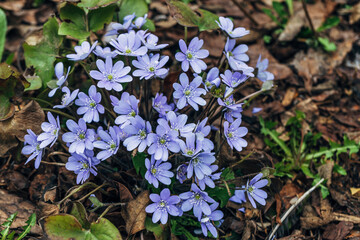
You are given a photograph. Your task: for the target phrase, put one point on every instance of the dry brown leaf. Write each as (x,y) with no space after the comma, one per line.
(338,231)
(289,96)
(10,203)
(293,26)
(355,14)
(14,5)
(325,171)
(29,117)
(134,214)
(355,192)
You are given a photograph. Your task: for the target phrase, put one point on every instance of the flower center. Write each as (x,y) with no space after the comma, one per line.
(112,145)
(162,141)
(92,104)
(110,77)
(151,69)
(195,161)
(54,132)
(81,136)
(85,166)
(250,189)
(64,99)
(230,135)
(142,134)
(231,54)
(190,152)
(128,51)
(187,92)
(197,196)
(189,55)
(162,204)
(132,113)
(153,171)
(38,147)
(208,84)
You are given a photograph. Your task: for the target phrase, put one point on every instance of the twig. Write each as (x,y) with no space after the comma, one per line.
(108,209)
(286,214)
(245,12)
(54,163)
(308,17)
(93,191)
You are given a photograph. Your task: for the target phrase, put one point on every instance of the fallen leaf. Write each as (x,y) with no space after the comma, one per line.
(134,214)
(337,231)
(355,192)
(355,14)
(289,96)
(325,171)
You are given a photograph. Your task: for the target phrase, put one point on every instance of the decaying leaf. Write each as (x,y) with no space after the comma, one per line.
(135,215)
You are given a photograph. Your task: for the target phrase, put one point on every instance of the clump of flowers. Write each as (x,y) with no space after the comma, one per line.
(175,137)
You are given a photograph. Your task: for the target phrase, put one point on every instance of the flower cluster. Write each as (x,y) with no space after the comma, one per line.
(175,136)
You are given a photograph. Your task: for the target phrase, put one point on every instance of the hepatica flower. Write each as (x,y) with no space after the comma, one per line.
(32,146)
(150,67)
(140,21)
(201,131)
(109,143)
(127,107)
(67,98)
(212,79)
(160,104)
(110,77)
(192,55)
(239,197)
(181,173)
(59,72)
(128,44)
(80,137)
(228,26)
(163,141)
(51,131)
(196,200)
(150,41)
(200,165)
(233,79)
(209,179)
(126,25)
(207,221)
(82,51)
(262,74)
(236,56)
(177,123)
(138,131)
(188,148)
(189,93)
(90,105)
(163,205)
(232,110)
(158,171)
(82,165)
(254,193)
(104,52)
(234,134)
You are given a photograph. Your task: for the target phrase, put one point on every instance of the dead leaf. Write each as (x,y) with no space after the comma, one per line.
(14,5)
(134,214)
(40,184)
(293,26)
(45,209)
(10,203)
(325,171)
(309,108)
(14,180)
(355,192)
(289,96)
(355,14)
(324,95)
(29,117)
(124,193)
(337,231)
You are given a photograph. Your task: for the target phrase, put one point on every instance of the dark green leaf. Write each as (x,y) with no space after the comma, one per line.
(7,225)
(280,10)
(3,27)
(139,163)
(207,20)
(326,44)
(155,228)
(128,7)
(220,194)
(76,22)
(183,14)
(30,223)
(179,230)
(78,211)
(339,169)
(42,56)
(63,227)
(227,174)
(95,3)
(35,83)
(101,16)
(271,15)
(329,23)
(103,229)
(149,24)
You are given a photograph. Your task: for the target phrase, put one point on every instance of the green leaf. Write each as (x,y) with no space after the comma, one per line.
(207,20)
(183,14)
(139,163)
(139,7)
(267,85)
(63,227)
(35,83)
(149,24)
(75,25)
(280,10)
(227,174)
(78,211)
(30,223)
(103,229)
(339,169)
(95,3)
(179,230)
(3,27)
(7,225)
(271,15)
(329,23)
(221,194)
(43,55)
(326,44)
(101,16)
(290,6)
(154,228)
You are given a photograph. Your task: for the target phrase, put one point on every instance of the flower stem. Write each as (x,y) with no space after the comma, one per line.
(185,34)
(60,113)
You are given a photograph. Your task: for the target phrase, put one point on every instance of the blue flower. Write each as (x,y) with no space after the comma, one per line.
(196,200)
(104,52)
(150,67)
(109,143)
(82,165)
(188,148)
(110,77)
(51,131)
(233,80)
(90,105)
(261,67)
(116,27)
(140,21)
(177,123)
(150,40)
(80,137)
(234,134)
(128,44)
(159,103)
(127,107)
(207,221)
(163,141)
(254,193)
(232,109)
(201,131)
(163,205)
(212,79)
(209,179)
(192,56)
(138,131)
(32,146)
(239,197)
(157,171)
(181,173)
(82,51)
(200,165)
(189,93)
(227,25)
(236,56)
(68,97)
(59,72)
